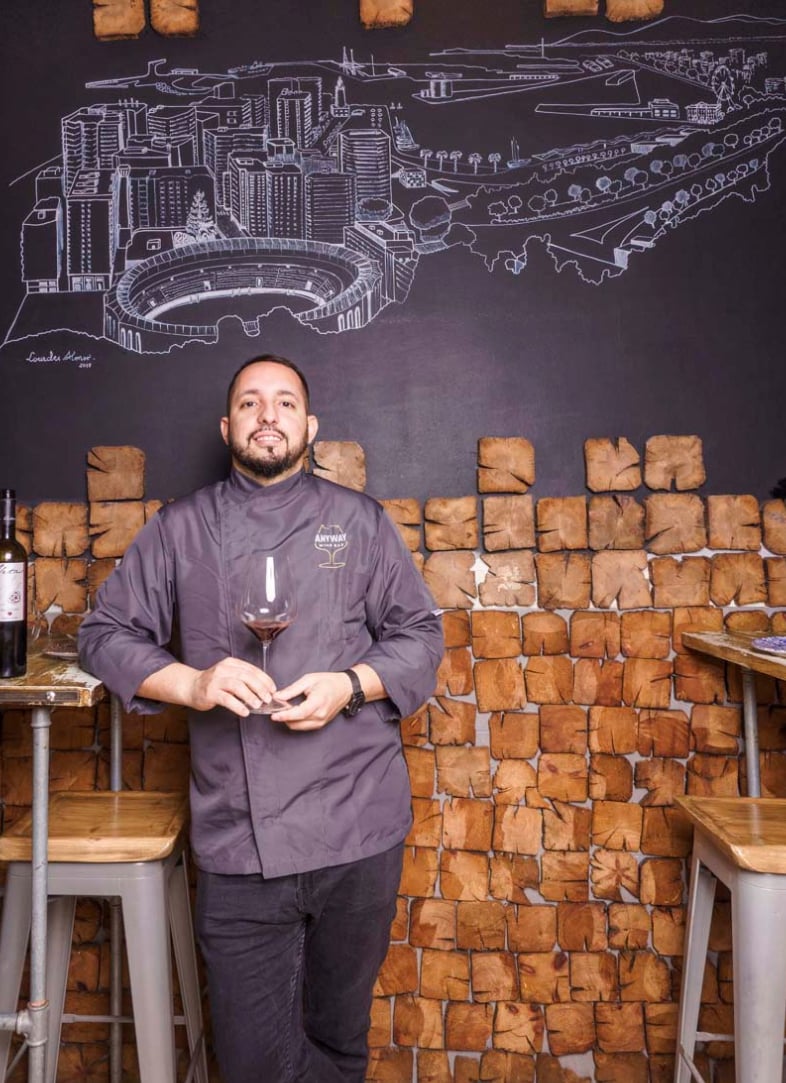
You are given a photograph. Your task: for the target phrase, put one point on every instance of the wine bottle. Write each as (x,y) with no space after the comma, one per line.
(13,592)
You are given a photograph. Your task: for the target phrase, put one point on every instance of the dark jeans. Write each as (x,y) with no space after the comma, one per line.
(291,966)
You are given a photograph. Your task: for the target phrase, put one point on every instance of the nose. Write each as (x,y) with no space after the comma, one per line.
(267,413)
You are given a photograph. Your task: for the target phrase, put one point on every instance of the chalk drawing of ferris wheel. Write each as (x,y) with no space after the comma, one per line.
(723,84)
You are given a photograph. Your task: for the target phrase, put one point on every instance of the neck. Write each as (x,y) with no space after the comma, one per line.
(289,473)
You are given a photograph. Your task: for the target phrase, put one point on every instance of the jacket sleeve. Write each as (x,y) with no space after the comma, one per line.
(125,638)
(404,623)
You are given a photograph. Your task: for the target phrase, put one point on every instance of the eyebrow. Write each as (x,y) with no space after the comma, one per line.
(280,391)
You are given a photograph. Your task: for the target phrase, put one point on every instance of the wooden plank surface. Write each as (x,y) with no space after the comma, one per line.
(101,827)
(736,648)
(751,831)
(50,682)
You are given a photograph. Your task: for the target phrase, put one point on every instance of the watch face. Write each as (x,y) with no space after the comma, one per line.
(354,705)
(358,698)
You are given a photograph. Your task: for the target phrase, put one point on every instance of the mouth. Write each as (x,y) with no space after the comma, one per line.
(266,438)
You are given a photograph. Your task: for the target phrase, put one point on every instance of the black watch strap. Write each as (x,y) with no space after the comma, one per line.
(358,697)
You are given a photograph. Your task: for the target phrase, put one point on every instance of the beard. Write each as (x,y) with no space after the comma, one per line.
(269,462)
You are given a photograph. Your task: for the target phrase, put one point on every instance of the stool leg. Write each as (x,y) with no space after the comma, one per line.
(185,958)
(14,938)
(701,897)
(148,950)
(758,922)
(59,937)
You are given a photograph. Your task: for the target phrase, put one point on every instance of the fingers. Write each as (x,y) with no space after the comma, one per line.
(234,684)
(242,688)
(325,696)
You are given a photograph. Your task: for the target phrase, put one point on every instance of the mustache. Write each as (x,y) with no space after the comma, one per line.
(267,428)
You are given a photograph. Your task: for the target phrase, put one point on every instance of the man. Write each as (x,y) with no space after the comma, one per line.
(298,817)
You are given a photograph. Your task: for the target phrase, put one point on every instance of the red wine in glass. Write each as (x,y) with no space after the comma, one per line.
(266,631)
(268,605)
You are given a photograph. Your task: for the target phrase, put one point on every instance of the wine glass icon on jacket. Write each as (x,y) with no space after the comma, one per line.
(268,605)
(331,540)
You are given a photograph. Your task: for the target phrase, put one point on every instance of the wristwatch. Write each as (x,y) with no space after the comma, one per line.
(358,697)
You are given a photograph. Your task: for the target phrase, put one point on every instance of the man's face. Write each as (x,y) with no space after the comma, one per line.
(268,428)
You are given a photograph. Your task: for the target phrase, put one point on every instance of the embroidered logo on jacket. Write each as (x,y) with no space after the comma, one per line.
(331,540)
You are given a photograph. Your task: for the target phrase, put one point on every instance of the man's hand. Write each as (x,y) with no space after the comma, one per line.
(232,683)
(326,694)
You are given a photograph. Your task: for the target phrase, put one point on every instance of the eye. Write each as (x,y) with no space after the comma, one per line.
(246,403)
(289,403)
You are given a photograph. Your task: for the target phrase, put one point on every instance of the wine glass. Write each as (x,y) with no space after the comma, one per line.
(268,606)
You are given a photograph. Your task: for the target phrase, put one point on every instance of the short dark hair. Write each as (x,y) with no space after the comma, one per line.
(272,359)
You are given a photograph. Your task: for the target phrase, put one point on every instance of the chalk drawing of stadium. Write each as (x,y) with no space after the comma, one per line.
(180,199)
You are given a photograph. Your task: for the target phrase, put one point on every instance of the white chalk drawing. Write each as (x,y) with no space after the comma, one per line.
(182,198)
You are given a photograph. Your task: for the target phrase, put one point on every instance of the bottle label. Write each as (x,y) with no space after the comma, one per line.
(12,592)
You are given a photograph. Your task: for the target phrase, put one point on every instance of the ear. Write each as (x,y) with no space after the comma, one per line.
(225,430)
(313,428)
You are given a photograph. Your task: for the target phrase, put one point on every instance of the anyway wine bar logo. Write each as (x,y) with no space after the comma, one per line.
(331,540)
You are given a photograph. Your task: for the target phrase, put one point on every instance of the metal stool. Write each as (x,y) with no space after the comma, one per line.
(741,842)
(129,845)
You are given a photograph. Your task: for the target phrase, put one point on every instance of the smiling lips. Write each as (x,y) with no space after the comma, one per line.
(266,437)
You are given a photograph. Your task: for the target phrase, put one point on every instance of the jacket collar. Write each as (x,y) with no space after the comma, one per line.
(241,488)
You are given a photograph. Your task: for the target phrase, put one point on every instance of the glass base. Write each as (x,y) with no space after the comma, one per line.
(275,704)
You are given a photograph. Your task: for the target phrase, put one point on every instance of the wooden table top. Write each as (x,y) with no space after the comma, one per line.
(50,682)
(750,831)
(736,647)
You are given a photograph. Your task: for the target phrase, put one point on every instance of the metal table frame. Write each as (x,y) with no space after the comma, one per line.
(49,683)
(735,648)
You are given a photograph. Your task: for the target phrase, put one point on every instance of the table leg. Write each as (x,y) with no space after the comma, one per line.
(39,1006)
(115,909)
(751,722)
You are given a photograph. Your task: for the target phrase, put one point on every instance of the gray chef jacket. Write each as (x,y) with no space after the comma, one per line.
(265,798)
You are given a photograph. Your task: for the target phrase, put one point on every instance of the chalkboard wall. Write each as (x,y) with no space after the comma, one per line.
(485,223)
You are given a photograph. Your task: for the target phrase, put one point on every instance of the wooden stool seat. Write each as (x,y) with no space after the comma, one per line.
(125,826)
(740,841)
(128,846)
(750,831)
